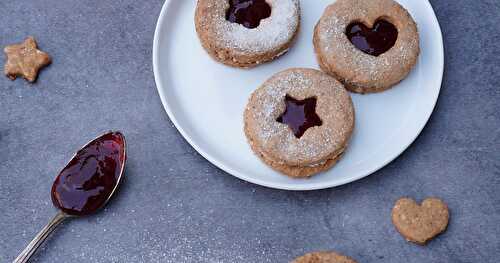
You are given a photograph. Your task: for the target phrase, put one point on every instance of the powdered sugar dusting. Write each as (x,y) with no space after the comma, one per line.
(272,109)
(273,32)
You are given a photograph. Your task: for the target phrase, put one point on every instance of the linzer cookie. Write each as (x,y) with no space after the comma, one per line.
(369,45)
(299,122)
(246,33)
(323,257)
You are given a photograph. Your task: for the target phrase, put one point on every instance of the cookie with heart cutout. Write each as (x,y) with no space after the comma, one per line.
(420,223)
(369,45)
(246,33)
(299,122)
(323,257)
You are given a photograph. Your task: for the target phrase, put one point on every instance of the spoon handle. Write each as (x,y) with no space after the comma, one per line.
(39,238)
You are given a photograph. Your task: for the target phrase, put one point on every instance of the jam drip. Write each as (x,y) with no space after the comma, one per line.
(373,41)
(248,12)
(89,179)
(300,115)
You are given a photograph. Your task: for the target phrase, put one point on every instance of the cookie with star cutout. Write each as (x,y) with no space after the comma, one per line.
(25,60)
(299,122)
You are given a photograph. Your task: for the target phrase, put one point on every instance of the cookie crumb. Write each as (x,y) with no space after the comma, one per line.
(25,60)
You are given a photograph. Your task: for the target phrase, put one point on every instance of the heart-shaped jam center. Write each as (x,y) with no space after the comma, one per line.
(248,12)
(374,41)
(300,115)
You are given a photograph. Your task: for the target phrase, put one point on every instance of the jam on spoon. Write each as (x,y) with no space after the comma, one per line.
(85,184)
(89,179)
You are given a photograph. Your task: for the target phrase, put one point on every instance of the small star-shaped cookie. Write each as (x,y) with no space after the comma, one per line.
(25,60)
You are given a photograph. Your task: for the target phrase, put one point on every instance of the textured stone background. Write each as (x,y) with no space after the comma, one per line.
(176,207)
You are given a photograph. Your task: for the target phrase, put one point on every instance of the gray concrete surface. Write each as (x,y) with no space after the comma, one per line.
(176,207)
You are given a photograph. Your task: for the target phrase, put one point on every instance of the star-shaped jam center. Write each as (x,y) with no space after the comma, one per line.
(248,12)
(25,60)
(300,115)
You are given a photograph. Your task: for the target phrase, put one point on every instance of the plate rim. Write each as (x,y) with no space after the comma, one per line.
(280,186)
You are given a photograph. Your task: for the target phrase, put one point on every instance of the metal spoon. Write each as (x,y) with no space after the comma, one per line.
(31,248)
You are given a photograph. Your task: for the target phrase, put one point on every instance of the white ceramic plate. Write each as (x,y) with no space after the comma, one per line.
(205,100)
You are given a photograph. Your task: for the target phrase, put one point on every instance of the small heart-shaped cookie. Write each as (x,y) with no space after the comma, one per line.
(420,223)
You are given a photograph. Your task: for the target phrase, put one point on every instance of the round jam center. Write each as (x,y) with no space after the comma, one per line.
(89,179)
(374,41)
(300,115)
(248,13)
